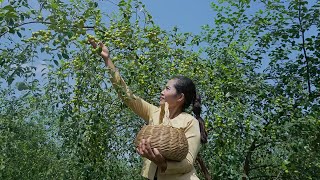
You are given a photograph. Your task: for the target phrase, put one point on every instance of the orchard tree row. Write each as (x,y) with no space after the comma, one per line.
(256,67)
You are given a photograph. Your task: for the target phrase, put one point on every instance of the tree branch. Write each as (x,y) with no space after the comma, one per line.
(39,22)
(246,165)
(264,166)
(203,168)
(259,177)
(304,49)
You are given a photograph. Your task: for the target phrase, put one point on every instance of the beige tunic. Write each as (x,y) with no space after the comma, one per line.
(183,170)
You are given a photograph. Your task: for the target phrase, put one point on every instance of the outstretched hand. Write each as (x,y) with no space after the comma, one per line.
(105,51)
(145,150)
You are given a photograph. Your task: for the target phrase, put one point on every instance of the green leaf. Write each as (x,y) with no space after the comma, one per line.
(121,3)
(54,6)
(9,8)
(22,86)
(11,22)
(70,34)
(22,17)
(64,55)
(56,62)
(10,80)
(19,34)
(11,30)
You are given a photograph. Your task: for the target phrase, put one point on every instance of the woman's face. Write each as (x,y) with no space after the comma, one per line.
(169,94)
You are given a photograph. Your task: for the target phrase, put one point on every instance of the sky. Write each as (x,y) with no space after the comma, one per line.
(187,15)
(190,15)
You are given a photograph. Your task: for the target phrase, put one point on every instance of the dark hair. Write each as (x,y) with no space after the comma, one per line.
(186,86)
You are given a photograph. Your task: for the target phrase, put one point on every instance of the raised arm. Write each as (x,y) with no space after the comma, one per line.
(136,104)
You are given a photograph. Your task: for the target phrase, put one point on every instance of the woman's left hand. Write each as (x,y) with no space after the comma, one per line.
(145,150)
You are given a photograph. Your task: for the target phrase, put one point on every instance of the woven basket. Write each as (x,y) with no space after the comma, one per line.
(170,141)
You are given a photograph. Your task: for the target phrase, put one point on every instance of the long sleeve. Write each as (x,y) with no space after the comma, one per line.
(186,165)
(135,103)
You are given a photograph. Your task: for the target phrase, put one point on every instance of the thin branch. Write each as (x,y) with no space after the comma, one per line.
(267,142)
(259,177)
(304,50)
(22,24)
(264,166)
(262,144)
(246,165)
(203,168)
(40,22)
(209,130)
(278,175)
(272,77)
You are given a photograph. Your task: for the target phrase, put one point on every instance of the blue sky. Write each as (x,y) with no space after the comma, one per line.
(187,15)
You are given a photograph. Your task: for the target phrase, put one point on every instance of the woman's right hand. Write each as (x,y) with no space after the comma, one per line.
(105,51)
(153,154)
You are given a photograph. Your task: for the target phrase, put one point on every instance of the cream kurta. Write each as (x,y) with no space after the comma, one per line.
(183,170)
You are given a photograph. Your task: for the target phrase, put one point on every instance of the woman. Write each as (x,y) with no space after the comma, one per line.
(178,94)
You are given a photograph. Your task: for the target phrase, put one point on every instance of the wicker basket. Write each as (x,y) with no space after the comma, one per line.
(170,141)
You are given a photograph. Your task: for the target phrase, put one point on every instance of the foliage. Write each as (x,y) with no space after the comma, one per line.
(256,68)
(264,92)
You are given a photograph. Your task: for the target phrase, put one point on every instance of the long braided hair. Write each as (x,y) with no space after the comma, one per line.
(187,87)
